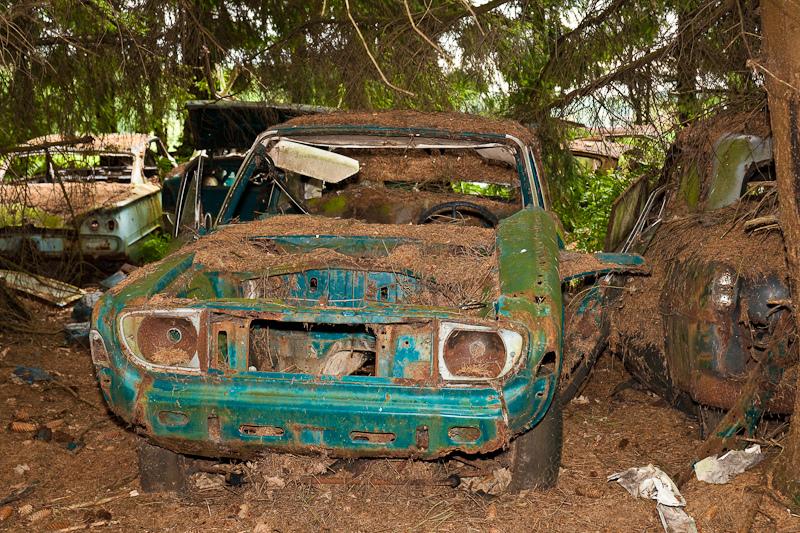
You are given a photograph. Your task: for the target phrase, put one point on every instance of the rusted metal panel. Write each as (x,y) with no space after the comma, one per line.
(50,290)
(402,383)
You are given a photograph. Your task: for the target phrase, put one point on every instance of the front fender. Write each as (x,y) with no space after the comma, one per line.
(530,287)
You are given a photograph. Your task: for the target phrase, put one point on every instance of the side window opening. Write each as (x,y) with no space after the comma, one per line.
(758,179)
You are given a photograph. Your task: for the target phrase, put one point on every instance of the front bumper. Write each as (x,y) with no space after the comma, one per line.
(242,415)
(57,243)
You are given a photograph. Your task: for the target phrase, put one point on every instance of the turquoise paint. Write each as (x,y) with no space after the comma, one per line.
(616,262)
(346,288)
(322,411)
(412,349)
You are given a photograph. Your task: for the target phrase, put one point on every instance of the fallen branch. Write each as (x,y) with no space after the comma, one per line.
(770,220)
(761,442)
(94,503)
(90,525)
(451,481)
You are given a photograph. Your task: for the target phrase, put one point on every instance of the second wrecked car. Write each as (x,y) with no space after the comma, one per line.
(714,315)
(395,293)
(95,196)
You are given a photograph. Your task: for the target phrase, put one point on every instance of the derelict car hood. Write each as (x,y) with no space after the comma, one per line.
(310,261)
(227,124)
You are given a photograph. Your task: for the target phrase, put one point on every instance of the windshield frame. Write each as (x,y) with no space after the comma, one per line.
(527,171)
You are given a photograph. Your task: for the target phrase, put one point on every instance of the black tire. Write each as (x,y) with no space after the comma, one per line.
(161,470)
(536,454)
(488,219)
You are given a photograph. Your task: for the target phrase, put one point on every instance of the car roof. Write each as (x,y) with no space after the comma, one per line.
(406,119)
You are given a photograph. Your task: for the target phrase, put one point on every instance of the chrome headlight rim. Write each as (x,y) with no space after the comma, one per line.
(194,315)
(513,341)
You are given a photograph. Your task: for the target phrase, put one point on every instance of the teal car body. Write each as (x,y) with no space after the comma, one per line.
(415,396)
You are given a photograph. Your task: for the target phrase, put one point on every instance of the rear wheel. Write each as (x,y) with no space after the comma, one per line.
(536,454)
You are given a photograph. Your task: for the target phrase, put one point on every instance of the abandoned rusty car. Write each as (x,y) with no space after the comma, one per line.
(94,196)
(713,320)
(374,285)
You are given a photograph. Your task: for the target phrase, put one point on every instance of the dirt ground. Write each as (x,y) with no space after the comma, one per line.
(95,486)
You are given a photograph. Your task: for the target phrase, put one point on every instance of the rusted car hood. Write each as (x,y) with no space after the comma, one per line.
(311,260)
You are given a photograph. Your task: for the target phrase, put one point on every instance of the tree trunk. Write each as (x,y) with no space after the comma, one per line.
(780,22)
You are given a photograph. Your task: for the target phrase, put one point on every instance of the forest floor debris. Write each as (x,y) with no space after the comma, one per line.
(651,483)
(720,470)
(279,493)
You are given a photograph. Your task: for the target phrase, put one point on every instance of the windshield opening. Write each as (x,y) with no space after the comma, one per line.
(399,181)
(66,165)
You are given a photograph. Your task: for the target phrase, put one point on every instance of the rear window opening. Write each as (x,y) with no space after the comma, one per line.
(317,349)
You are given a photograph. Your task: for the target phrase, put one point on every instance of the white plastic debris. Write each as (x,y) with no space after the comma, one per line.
(720,470)
(580,400)
(652,483)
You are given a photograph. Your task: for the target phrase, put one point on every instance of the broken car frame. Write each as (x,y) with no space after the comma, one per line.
(715,307)
(316,332)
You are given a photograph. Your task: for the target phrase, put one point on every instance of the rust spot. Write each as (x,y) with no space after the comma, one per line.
(213,429)
(418,371)
(717,391)
(105,386)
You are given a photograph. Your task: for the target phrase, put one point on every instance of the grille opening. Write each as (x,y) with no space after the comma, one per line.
(464,433)
(261,431)
(317,349)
